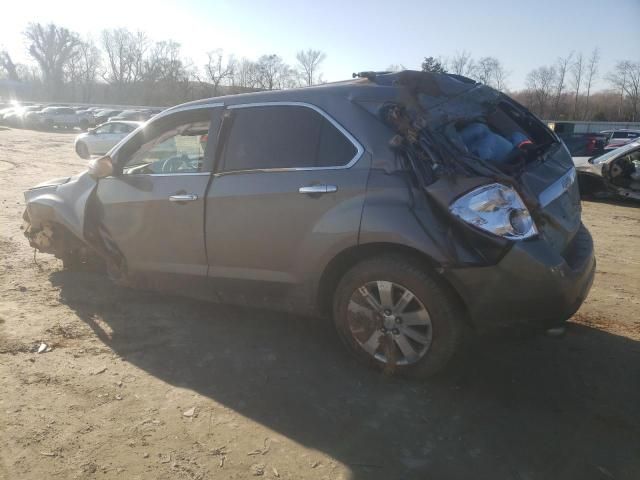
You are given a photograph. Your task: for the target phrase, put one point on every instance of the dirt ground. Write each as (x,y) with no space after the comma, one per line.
(139,385)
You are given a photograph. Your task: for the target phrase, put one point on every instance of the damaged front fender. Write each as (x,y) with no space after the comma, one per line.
(61,204)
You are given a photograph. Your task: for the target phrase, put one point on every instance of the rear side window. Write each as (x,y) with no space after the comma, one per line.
(284,137)
(625,135)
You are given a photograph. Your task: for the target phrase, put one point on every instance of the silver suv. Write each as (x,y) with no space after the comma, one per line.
(65,117)
(407,207)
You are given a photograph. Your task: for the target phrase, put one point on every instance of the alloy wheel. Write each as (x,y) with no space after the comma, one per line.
(389,322)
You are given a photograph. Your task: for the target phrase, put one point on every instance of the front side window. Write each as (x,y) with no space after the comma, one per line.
(103,129)
(122,128)
(180,150)
(283,136)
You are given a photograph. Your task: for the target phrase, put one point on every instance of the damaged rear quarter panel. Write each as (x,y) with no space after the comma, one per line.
(63,204)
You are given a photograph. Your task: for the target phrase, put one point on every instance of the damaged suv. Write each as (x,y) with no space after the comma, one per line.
(408,207)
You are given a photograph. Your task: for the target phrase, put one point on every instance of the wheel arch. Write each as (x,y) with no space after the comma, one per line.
(348,258)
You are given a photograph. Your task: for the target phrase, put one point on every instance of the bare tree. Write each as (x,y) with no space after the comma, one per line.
(52,47)
(626,78)
(462,64)
(562,66)
(489,70)
(592,72)
(540,83)
(90,59)
(310,61)
(163,63)
(271,72)
(125,53)
(219,69)
(82,69)
(577,72)
(6,63)
(245,74)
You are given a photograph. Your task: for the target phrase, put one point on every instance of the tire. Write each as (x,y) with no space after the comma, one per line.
(82,150)
(84,124)
(440,331)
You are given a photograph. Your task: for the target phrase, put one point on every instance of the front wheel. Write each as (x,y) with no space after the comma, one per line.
(397,317)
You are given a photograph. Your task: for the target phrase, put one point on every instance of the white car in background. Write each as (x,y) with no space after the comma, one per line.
(99,140)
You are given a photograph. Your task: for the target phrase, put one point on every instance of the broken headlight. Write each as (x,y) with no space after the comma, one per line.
(497,209)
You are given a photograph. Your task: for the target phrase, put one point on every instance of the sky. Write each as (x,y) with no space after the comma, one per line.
(355,35)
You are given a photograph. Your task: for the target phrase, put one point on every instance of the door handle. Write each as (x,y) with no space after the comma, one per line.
(315,189)
(183,197)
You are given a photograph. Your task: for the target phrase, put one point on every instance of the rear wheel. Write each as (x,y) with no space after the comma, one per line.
(397,317)
(82,150)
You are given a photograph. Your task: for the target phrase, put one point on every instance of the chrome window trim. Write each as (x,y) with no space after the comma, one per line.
(334,122)
(557,188)
(193,174)
(185,108)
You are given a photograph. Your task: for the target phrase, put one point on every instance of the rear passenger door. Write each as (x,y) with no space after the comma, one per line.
(287,193)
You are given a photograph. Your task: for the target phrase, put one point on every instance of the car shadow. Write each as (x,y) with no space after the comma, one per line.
(513,405)
(611,200)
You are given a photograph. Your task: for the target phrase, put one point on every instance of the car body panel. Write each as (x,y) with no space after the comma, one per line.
(287,236)
(153,233)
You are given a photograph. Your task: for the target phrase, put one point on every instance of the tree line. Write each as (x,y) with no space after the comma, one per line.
(563,90)
(126,67)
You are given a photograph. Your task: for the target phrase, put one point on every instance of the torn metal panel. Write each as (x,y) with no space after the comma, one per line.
(616,173)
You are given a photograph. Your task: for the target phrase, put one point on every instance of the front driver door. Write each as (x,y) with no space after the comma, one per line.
(152,209)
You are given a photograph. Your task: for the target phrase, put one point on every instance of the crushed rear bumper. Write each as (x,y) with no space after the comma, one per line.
(531,284)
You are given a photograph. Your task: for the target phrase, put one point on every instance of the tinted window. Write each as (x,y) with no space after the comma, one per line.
(284,137)
(625,134)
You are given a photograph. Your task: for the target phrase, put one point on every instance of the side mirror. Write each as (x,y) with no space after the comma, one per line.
(91,131)
(101,167)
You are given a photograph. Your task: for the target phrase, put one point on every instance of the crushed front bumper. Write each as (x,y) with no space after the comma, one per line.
(531,284)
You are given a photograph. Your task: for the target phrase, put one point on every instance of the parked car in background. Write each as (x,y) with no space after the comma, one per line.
(62,117)
(584,144)
(405,206)
(103,115)
(136,115)
(621,137)
(99,140)
(16,118)
(6,112)
(615,173)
